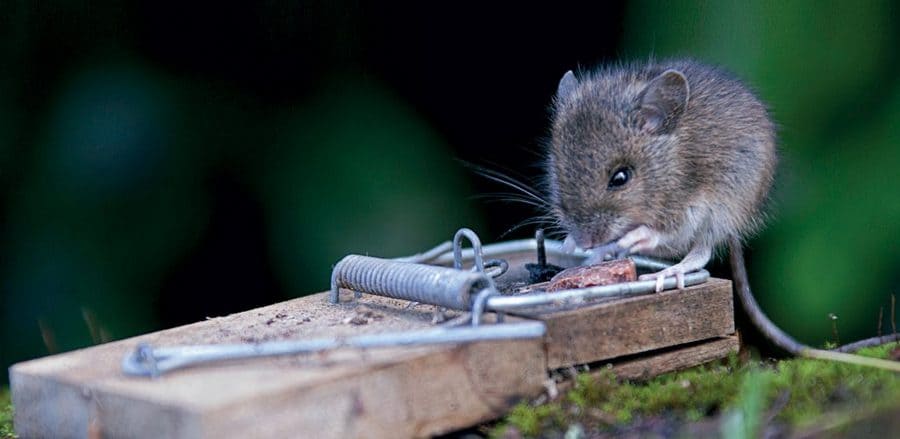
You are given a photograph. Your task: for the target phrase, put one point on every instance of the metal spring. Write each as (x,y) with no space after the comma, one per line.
(441,286)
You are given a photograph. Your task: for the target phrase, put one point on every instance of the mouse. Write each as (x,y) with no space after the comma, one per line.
(671,159)
(668,159)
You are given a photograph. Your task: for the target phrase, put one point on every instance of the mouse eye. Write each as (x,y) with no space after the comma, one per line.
(619,177)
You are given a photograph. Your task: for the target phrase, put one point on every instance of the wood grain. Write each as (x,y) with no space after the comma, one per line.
(395,392)
(625,327)
(674,359)
(644,367)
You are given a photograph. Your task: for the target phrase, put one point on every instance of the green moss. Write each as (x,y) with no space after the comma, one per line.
(6,415)
(532,420)
(878,351)
(816,385)
(800,390)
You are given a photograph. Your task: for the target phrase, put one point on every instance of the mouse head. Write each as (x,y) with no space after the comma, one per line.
(613,158)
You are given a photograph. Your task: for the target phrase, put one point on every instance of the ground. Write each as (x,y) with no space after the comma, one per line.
(737,398)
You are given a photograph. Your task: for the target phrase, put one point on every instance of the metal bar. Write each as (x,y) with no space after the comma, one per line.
(429,255)
(496,267)
(649,263)
(574,296)
(500,249)
(149,361)
(443,255)
(479,304)
(541,248)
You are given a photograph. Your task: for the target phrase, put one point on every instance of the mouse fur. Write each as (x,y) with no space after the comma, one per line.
(695,147)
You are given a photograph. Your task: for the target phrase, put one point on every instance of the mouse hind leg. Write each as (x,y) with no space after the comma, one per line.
(694,260)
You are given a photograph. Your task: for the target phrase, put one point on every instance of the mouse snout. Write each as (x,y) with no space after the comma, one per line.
(601,230)
(587,238)
(593,226)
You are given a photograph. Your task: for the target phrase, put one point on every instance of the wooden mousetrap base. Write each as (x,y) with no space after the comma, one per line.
(386,392)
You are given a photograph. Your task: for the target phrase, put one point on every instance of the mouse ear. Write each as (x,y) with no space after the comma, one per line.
(662,102)
(566,85)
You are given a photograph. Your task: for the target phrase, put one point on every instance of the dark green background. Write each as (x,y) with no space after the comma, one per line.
(163,162)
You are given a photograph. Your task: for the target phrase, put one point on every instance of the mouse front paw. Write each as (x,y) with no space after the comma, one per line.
(609,251)
(661,276)
(695,260)
(640,240)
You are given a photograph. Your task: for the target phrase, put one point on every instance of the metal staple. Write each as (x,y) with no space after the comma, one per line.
(476,248)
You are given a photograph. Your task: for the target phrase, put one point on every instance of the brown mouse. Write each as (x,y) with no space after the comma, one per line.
(668,159)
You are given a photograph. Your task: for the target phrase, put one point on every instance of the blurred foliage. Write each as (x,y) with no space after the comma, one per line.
(6,415)
(828,71)
(106,205)
(355,171)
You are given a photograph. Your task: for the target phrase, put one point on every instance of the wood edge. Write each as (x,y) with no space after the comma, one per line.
(543,314)
(577,353)
(674,360)
(665,360)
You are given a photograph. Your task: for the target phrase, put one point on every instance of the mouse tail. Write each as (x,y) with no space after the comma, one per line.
(759,319)
(781,338)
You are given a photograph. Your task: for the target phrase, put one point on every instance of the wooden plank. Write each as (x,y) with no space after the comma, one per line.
(395,392)
(651,364)
(678,358)
(640,324)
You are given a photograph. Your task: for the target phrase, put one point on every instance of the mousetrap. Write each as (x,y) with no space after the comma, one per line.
(404,347)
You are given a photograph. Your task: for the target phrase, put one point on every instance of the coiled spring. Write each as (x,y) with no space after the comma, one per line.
(429,284)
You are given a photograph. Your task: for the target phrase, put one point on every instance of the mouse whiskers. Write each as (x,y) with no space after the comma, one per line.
(524,192)
(546,222)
